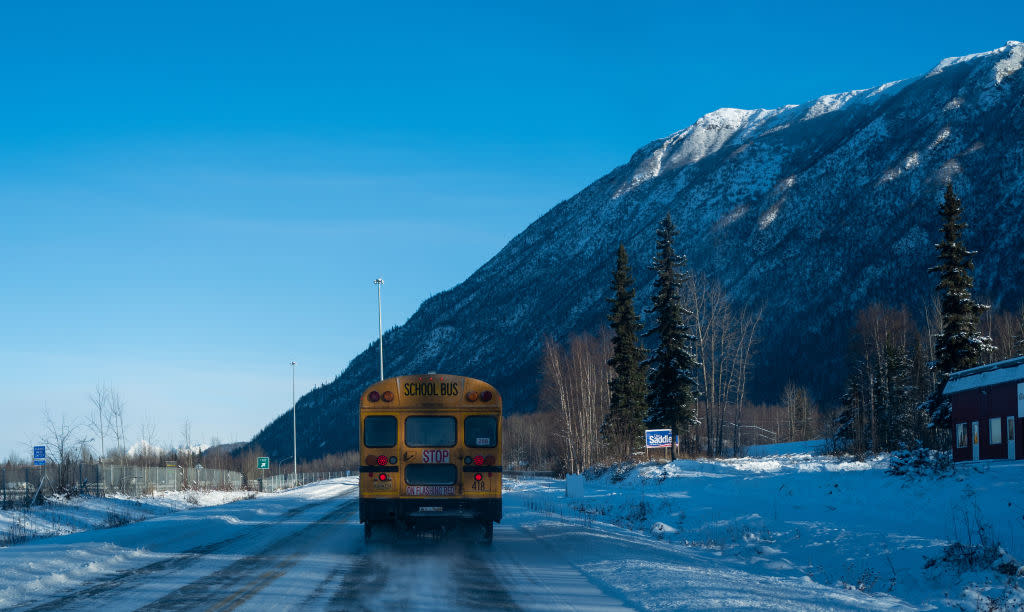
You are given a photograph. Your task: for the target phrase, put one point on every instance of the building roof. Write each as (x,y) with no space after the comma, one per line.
(1009,370)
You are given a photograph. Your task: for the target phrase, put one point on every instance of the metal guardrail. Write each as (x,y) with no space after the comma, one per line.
(277,482)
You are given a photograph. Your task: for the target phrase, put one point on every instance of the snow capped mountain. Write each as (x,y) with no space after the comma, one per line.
(809,211)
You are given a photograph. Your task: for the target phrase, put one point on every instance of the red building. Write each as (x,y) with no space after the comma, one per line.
(988,410)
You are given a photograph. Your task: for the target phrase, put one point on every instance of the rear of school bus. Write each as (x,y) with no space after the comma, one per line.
(431,453)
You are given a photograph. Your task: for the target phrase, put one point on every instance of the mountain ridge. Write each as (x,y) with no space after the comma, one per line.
(807,211)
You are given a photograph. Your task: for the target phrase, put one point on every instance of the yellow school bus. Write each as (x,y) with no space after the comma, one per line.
(431,453)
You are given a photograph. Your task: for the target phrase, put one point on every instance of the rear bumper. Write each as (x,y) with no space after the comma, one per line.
(427,512)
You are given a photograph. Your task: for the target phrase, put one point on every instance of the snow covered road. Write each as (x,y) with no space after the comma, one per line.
(302,550)
(692,535)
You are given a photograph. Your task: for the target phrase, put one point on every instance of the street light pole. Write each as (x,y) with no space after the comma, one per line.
(380,327)
(295,453)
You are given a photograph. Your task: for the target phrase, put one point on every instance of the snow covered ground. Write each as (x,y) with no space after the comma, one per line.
(65,515)
(798,532)
(789,532)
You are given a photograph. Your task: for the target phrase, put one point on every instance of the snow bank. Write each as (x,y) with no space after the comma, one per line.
(793,527)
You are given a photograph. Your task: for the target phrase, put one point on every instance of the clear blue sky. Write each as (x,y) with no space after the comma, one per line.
(196,194)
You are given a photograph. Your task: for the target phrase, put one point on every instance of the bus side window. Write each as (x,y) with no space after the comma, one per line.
(481,431)
(380,431)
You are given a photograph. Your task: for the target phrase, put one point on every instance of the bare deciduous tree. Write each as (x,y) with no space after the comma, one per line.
(186,452)
(100,399)
(63,443)
(1005,329)
(575,386)
(725,342)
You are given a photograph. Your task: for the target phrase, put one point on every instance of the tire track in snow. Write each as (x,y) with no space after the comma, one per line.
(251,572)
(177,562)
(412,573)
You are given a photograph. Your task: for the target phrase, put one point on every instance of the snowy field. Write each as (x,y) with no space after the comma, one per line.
(789,532)
(846,534)
(66,515)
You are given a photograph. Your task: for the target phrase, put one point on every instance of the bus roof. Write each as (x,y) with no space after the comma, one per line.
(438,390)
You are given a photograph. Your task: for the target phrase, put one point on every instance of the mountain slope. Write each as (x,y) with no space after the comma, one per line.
(809,212)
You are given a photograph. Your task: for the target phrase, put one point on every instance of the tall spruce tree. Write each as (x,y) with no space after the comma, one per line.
(624,424)
(672,397)
(960,345)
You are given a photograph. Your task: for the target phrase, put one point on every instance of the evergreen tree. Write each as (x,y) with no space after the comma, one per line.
(960,345)
(671,402)
(624,424)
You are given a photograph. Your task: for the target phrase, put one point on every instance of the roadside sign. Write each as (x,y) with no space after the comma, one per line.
(38,455)
(263,463)
(658,438)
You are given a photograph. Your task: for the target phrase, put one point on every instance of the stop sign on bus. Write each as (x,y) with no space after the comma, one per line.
(435,455)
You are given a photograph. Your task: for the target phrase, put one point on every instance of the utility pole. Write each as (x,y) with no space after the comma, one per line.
(295,444)
(380,327)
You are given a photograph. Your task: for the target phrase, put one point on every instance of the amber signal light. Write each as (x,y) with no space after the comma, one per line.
(388,396)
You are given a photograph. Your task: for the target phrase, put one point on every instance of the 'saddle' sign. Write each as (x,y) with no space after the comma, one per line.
(658,438)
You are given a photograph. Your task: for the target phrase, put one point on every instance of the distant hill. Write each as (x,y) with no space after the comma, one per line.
(810,211)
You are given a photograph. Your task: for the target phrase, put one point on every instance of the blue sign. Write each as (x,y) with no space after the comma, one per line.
(658,438)
(38,455)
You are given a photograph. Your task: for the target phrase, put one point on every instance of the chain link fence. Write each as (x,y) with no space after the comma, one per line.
(21,486)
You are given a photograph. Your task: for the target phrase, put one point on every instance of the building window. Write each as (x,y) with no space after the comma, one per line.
(961,435)
(995,431)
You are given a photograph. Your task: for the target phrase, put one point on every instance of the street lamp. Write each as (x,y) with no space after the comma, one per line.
(380,327)
(295,445)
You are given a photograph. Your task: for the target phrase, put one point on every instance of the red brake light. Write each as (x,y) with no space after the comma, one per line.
(383,477)
(477,477)
(478,460)
(489,460)
(373,396)
(382,460)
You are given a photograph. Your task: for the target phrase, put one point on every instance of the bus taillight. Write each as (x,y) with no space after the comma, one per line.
(382,460)
(476,477)
(478,460)
(382,477)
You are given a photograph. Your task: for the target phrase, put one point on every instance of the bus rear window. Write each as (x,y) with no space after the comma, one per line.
(481,431)
(380,431)
(430,431)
